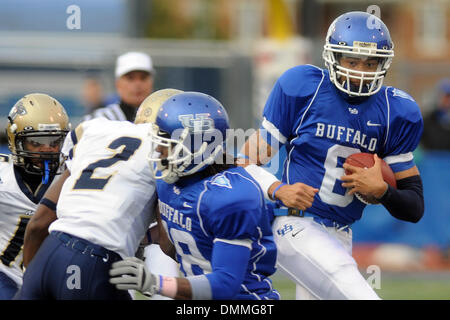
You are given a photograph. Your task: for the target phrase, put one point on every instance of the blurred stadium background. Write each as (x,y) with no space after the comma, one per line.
(234,50)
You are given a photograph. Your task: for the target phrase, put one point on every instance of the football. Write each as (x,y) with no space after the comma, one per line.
(365,160)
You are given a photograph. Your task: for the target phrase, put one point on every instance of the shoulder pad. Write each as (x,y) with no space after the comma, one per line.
(301,81)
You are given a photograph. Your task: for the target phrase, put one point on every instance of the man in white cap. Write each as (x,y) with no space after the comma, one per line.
(134,82)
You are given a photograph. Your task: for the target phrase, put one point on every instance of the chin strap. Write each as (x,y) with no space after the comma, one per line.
(46,175)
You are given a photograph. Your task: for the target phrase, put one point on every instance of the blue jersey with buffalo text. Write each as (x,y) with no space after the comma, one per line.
(321,126)
(229,206)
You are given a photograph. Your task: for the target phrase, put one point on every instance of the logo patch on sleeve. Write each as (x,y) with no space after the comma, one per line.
(402,94)
(222,181)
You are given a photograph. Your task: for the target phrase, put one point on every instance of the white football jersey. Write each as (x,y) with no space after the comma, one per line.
(16,210)
(109,197)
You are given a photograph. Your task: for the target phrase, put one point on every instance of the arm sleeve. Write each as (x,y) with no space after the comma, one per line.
(406,202)
(231,215)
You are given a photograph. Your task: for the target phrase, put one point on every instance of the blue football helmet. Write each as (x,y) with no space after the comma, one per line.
(359,35)
(192,126)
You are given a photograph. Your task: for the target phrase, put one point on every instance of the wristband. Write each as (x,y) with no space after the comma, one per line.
(48,203)
(406,202)
(167,286)
(278,187)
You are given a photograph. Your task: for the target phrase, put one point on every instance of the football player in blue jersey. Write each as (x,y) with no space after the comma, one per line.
(322,116)
(212,211)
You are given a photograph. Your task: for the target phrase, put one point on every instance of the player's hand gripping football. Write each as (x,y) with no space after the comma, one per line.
(367,182)
(297,195)
(131,274)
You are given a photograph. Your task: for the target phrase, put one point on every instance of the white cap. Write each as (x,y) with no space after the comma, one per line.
(133,61)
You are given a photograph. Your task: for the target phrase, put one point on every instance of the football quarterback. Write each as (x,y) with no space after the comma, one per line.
(323,116)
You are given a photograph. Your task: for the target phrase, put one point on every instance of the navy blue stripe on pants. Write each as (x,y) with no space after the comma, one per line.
(70,268)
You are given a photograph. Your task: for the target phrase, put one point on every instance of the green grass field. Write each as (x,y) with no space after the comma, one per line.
(394,286)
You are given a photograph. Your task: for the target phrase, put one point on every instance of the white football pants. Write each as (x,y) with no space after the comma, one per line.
(319,260)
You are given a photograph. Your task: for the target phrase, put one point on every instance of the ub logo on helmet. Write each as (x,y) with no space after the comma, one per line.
(200,124)
(191,134)
(37,126)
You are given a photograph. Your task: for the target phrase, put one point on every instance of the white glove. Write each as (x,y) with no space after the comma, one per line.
(131,274)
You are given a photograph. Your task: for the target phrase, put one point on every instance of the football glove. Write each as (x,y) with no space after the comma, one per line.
(131,274)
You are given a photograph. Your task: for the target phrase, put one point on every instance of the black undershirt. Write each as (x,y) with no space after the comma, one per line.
(129,111)
(32,180)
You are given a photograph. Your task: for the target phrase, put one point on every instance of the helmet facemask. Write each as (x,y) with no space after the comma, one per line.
(183,158)
(369,82)
(37,162)
(358,35)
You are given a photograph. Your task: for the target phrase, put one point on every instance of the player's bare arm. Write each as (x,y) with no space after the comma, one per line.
(404,203)
(297,195)
(37,228)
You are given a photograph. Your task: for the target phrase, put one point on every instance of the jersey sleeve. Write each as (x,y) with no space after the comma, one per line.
(232,215)
(405,131)
(288,97)
(275,130)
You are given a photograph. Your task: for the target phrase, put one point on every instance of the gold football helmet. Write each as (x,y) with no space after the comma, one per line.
(149,107)
(37,126)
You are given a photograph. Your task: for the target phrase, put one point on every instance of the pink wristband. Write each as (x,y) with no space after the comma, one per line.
(168,286)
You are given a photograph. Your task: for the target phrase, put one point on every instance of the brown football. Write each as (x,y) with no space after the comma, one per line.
(365,160)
